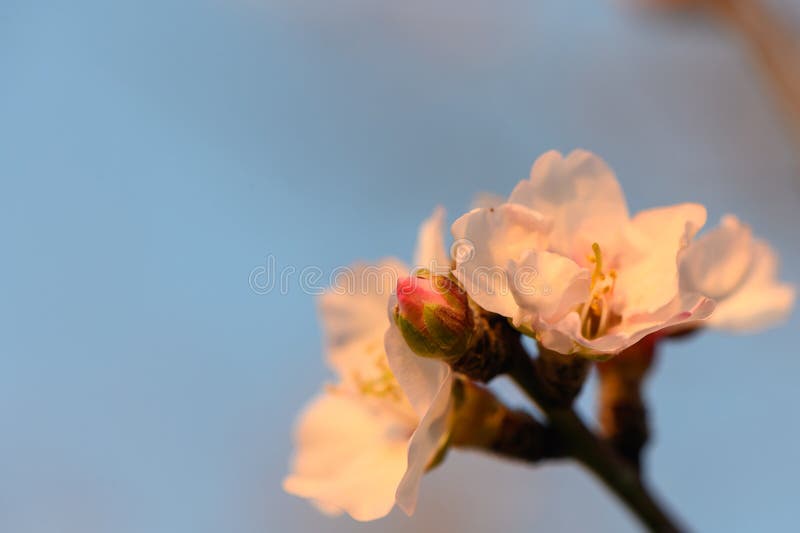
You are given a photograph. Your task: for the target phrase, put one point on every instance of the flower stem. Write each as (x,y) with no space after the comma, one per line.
(622,412)
(582,445)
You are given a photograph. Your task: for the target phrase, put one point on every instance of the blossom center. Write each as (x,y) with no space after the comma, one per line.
(381,383)
(596,313)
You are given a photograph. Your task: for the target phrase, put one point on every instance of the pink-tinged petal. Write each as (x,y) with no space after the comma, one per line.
(428,439)
(350,455)
(741,274)
(760,301)
(353,314)
(648,274)
(420,378)
(685,309)
(717,262)
(682,310)
(486,240)
(559,337)
(431,252)
(583,197)
(549,285)
(428,385)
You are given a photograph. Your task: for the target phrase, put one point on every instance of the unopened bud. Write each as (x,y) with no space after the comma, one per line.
(434,316)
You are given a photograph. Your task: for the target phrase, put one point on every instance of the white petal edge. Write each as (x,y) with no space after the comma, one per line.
(582,195)
(648,279)
(761,301)
(353,313)
(428,385)
(486,240)
(717,262)
(431,252)
(420,378)
(548,284)
(350,456)
(680,311)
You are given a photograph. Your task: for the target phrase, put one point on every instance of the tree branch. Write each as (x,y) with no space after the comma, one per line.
(582,445)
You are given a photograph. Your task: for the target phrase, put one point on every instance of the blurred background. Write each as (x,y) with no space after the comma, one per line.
(152,154)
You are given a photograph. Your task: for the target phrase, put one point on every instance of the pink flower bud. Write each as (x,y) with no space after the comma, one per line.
(434,316)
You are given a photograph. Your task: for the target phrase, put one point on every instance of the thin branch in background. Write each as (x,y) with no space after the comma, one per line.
(771,41)
(773,46)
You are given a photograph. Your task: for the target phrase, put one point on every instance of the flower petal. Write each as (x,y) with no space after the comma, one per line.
(648,276)
(760,301)
(420,378)
(717,262)
(741,273)
(431,435)
(628,332)
(548,284)
(351,455)
(353,313)
(486,240)
(431,252)
(428,384)
(581,194)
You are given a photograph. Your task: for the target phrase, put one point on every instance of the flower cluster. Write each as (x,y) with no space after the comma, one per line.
(560,260)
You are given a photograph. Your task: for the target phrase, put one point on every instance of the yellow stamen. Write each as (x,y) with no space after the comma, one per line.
(384,385)
(597,275)
(595,314)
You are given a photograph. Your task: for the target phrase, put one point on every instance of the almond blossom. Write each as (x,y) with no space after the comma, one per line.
(365,442)
(564,260)
(560,260)
(740,272)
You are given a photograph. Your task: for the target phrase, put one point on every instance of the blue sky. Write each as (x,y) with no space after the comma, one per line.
(153,153)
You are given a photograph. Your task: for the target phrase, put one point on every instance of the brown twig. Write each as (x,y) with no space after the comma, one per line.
(561,376)
(772,45)
(482,421)
(582,445)
(622,412)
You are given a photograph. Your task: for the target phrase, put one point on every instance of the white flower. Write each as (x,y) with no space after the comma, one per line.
(564,260)
(365,442)
(740,273)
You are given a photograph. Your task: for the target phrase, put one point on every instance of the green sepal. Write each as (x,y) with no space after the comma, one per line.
(415,339)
